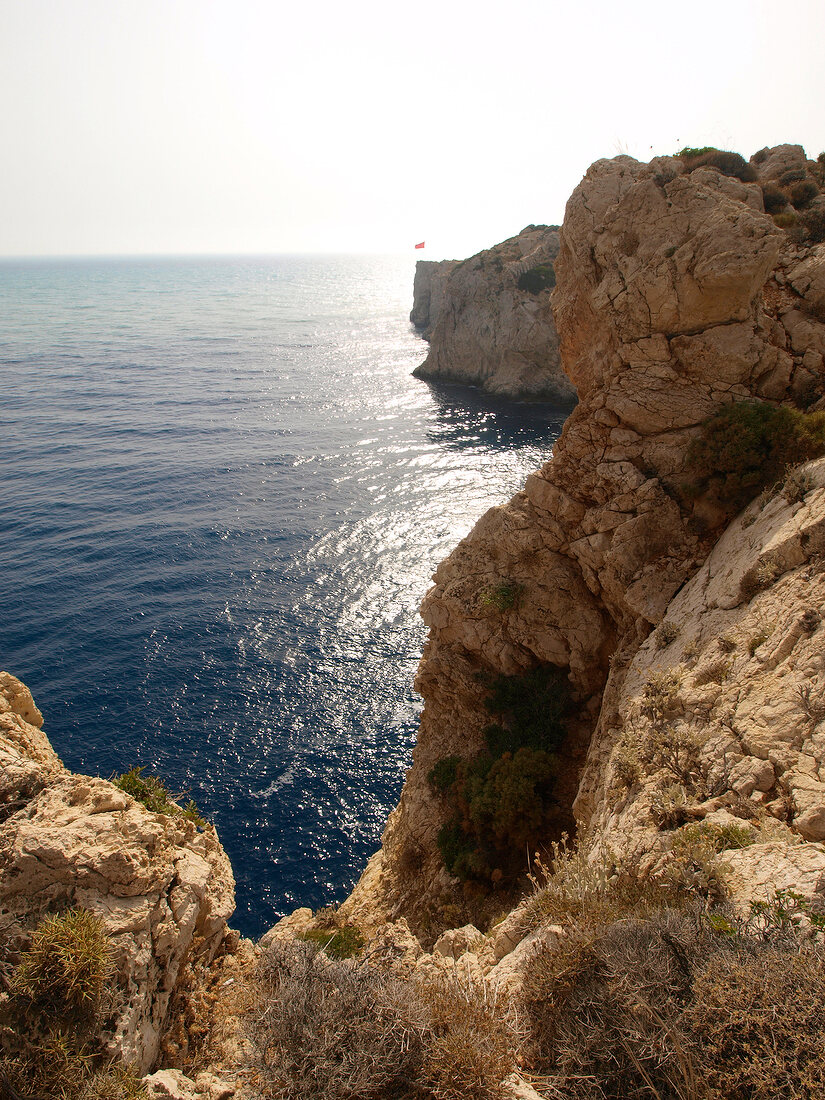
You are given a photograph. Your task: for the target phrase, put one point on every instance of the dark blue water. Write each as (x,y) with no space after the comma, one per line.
(223,498)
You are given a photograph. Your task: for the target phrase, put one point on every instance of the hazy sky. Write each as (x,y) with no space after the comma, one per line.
(249,126)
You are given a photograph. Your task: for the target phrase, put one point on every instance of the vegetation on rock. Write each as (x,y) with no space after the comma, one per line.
(156,796)
(730,164)
(502,799)
(538,278)
(52,1024)
(746,447)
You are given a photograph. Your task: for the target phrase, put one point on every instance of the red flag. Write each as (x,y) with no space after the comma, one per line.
(420,245)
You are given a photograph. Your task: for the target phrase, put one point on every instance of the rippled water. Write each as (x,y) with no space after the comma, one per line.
(224,496)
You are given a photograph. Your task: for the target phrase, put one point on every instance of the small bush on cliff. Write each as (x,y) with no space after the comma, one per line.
(338,943)
(538,278)
(53,1044)
(746,447)
(156,796)
(669,1006)
(502,800)
(729,164)
(332,1031)
(504,596)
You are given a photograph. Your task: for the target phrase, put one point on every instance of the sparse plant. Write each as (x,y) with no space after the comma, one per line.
(729,164)
(786,219)
(714,673)
(759,577)
(669,806)
(660,696)
(796,484)
(691,650)
(329,1030)
(812,706)
(760,635)
(65,970)
(675,749)
(728,643)
(156,796)
(626,760)
(666,634)
(505,596)
(810,620)
(443,774)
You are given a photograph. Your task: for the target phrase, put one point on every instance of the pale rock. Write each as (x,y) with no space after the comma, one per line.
(517,1088)
(290,927)
(508,974)
(163,889)
(428,293)
(490,333)
(455,942)
(757,872)
(675,294)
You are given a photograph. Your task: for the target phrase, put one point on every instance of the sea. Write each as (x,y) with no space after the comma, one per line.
(223,497)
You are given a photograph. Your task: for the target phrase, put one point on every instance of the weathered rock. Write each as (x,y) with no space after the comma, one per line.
(489,332)
(428,293)
(163,889)
(675,294)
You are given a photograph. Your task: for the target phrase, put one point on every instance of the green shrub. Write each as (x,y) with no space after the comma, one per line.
(538,278)
(774,197)
(502,799)
(802,192)
(504,596)
(338,943)
(67,965)
(156,796)
(444,774)
(53,1045)
(729,164)
(746,446)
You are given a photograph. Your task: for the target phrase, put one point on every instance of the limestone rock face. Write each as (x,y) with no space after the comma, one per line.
(676,293)
(163,889)
(743,671)
(428,293)
(486,331)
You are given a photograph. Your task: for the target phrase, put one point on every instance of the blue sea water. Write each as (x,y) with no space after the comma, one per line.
(223,498)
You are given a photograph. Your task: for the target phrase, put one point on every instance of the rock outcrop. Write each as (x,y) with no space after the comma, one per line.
(428,293)
(489,320)
(163,888)
(676,294)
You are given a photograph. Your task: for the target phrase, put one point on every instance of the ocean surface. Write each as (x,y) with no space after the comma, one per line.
(223,499)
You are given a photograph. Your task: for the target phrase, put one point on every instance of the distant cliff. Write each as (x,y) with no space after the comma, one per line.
(489,321)
(428,293)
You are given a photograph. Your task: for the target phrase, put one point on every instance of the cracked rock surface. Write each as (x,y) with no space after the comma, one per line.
(163,888)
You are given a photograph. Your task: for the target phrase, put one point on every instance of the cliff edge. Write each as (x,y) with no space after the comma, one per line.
(676,294)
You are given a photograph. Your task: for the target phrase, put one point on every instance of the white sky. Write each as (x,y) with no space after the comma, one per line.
(207,126)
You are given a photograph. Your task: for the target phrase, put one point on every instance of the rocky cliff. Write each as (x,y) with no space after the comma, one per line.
(161,885)
(677,293)
(489,321)
(428,293)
